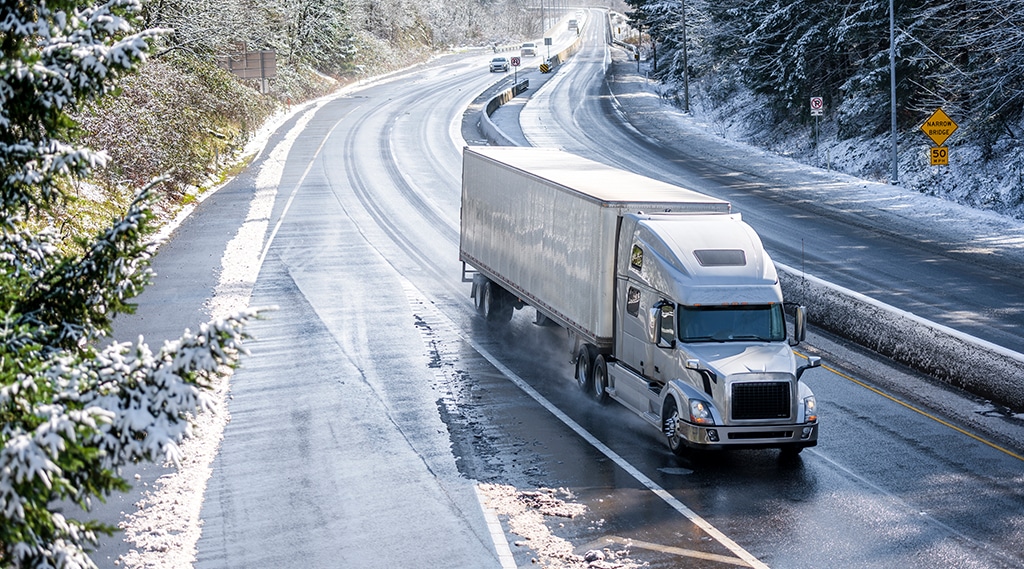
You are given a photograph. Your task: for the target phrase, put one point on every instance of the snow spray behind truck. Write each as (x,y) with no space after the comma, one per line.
(673,306)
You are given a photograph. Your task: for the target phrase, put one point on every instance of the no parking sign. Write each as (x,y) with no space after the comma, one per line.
(817,106)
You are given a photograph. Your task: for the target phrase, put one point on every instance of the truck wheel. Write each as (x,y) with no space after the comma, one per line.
(496,307)
(789,452)
(478,292)
(585,368)
(599,391)
(669,421)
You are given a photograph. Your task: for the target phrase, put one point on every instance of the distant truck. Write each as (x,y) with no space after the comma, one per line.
(672,305)
(528,49)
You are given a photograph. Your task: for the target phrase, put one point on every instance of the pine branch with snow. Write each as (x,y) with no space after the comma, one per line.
(73,414)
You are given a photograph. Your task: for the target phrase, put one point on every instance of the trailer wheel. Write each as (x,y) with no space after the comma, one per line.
(496,306)
(669,425)
(600,387)
(585,368)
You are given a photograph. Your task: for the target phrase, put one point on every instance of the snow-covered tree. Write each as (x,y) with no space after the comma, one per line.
(975,71)
(74,406)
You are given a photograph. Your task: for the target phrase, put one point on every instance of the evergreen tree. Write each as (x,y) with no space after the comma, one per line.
(976,64)
(72,412)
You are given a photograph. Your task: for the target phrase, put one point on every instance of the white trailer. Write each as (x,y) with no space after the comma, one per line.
(666,292)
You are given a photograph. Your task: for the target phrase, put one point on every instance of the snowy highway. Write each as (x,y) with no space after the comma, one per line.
(378,423)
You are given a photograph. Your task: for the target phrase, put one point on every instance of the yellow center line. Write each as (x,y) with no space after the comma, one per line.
(678,551)
(922,412)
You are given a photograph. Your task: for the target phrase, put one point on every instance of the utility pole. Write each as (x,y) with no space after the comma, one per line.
(639,41)
(892,91)
(686,67)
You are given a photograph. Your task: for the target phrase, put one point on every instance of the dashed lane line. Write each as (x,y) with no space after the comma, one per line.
(640,477)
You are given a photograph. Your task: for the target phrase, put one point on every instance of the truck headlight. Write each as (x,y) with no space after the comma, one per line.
(810,409)
(700,413)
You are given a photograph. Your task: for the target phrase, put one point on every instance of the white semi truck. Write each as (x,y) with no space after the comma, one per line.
(673,306)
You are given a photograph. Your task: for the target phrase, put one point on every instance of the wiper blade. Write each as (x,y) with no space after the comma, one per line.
(704,339)
(739,338)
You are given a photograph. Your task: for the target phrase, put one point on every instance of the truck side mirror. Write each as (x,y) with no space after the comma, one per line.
(662,325)
(706,375)
(799,326)
(812,361)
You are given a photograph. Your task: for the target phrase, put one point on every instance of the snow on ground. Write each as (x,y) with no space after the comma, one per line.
(527,513)
(644,102)
(986,179)
(166,526)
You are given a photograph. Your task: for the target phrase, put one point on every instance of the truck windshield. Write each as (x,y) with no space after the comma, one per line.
(745,323)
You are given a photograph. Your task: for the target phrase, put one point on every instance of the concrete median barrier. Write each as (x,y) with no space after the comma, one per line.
(959,359)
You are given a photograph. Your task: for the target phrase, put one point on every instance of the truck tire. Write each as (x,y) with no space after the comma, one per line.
(478,292)
(599,390)
(669,420)
(585,368)
(789,452)
(497,308)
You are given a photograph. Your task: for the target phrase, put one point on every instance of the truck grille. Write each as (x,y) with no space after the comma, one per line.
(760,400)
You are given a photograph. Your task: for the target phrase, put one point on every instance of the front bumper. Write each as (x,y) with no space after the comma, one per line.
(720,437)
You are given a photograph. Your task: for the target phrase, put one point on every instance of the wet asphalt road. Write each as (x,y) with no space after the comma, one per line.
(374,398)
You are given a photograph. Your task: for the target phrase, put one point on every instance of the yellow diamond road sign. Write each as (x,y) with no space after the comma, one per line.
(938,127)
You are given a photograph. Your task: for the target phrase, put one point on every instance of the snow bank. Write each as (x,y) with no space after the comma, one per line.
(942,352)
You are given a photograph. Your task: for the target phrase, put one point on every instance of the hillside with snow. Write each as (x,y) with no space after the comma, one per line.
(749,68)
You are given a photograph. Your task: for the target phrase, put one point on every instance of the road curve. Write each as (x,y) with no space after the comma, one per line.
(375,403)
(951,265)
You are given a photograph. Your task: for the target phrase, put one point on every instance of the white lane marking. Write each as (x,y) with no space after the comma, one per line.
(618,460)
(423,304)
(497,533)
(295,191)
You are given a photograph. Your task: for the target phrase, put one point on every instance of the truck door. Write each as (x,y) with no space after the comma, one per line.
(634,301)
(634,327)
(661,352)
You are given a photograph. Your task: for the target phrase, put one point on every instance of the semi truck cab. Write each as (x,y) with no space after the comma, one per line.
(703,352)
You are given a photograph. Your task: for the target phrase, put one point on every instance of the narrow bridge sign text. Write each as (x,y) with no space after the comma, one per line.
(938,127)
